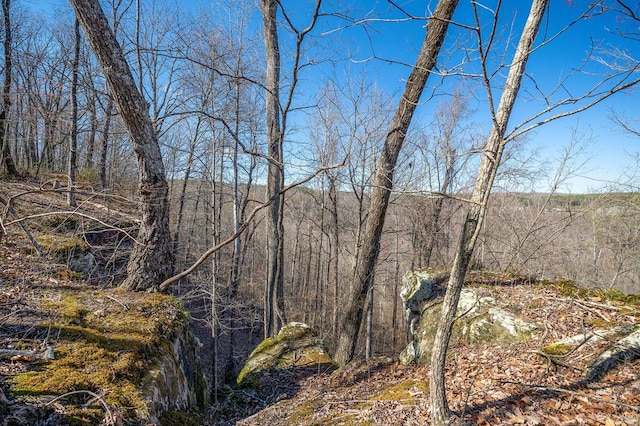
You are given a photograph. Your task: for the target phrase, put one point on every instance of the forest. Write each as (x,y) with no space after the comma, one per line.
(276,161)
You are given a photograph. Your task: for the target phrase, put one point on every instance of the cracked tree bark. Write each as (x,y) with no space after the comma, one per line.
(151,261)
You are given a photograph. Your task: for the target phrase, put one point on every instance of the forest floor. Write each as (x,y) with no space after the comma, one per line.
(486,384)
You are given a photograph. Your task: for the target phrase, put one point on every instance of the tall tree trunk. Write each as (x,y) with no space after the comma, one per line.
(274,315)
(73,140)
(334,242)
(104,143)
(183,189)
(368,351)
(6,159)
(440,413)
(383,181)
(93,129)
(151,261)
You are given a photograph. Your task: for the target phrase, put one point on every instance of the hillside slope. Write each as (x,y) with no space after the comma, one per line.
(520,383)
(487,384)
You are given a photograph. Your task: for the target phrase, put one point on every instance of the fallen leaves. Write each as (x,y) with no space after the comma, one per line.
(486,385)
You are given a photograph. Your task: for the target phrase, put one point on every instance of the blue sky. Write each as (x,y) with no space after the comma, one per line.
(604,144)
(394,40)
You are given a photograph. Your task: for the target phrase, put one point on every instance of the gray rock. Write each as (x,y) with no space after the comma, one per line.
(417,287)
(596,352)
(175,382)
(479,321)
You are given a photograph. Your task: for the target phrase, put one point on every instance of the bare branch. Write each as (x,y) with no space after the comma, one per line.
(168,282)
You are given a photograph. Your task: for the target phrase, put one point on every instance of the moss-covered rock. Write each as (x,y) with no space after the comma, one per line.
(133,349)
(295,346)
(596,352)
(479,321)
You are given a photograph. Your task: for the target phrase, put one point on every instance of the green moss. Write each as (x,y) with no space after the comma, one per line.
(556,349)
(408,391)
(570,289)
(62,246)
(69,308)
(600,323)
(60,223)
(102,347)
(265,345)
(305,412)
(618,296)
(296,345)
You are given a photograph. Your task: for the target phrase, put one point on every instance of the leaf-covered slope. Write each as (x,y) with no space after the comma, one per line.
(487,384)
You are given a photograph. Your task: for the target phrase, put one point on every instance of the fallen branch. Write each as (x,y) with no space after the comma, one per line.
(3,230)
(574,393)
(11,353)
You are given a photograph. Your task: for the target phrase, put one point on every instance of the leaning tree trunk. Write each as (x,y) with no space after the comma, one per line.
(383,181)
(440,413)
(151,261)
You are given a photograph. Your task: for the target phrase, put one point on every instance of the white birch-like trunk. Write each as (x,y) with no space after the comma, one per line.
(440,413)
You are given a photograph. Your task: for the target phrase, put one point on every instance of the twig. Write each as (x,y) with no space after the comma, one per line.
(124,305)
(555,359)
(74,213)
(592,310)
(585,302)
(3,231)
(96,397)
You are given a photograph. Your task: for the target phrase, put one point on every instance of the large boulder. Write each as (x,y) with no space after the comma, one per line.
(479,321)
(295,346)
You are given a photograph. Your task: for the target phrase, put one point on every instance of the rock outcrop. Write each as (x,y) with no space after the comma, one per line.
(176,381)
(295,346)
(132,354)
(479,320)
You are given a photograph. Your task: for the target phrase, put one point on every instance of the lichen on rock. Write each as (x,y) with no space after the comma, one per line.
(480,321)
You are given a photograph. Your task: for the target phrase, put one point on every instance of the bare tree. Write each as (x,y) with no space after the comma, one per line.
(152,260)
(442,156)
(493,150)
(73,139)
(277,112)
(383,183)
(6,159)
(273,304)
